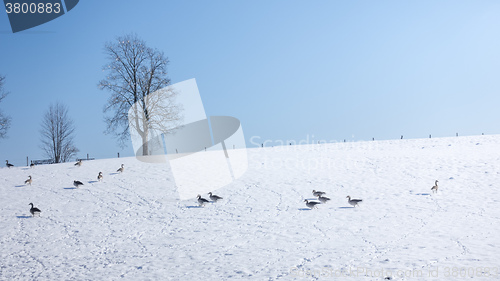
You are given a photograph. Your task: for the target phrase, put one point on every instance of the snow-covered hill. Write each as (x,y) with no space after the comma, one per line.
(132,226)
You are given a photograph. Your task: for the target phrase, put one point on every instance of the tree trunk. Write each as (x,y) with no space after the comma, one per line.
(145,149)
(145,145)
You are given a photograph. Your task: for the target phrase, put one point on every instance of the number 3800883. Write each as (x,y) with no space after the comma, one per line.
(33,8)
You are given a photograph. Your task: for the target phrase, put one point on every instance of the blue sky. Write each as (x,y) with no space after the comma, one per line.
(287,69)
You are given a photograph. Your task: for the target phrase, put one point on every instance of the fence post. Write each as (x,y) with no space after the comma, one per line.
(27,164)
(118,154)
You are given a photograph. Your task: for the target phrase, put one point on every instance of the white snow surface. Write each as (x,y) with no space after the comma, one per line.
(132,226)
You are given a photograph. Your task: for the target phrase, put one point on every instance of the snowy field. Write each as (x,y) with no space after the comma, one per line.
(132,226)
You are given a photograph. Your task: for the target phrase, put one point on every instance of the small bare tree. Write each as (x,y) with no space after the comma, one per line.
(4,120)
(58,133)
(137,79)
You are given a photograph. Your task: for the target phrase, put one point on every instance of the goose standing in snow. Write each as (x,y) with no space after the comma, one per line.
(202,201)
(77,183)
(28,181)
(121,169)
(435,187)
(214,197)
(99,177)
(318,193)
(353,202)
(323,199)
(32,165)
(8,164)
(311,204)
(79,163)
(34,211)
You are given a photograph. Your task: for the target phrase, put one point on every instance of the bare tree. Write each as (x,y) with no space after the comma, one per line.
(58,133)
(140,99)
(4,120)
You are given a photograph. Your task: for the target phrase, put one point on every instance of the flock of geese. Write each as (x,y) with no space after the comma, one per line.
(311,204)
(35,211)
(323,200)
(214,198)
(352,202)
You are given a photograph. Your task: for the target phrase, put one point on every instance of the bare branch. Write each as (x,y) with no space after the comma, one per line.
(4,120)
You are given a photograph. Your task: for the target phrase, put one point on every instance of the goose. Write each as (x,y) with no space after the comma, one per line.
(99,177)
(214,197)
(435,187)
(323,199)
(8,164)
(34,211)
(311,204)
(202,201)
(121,169)
(79,163)
(353,202)
(77,183)
(28,181)
(318,193)
(32,165)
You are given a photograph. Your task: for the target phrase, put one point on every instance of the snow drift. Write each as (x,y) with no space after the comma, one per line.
(132,225)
